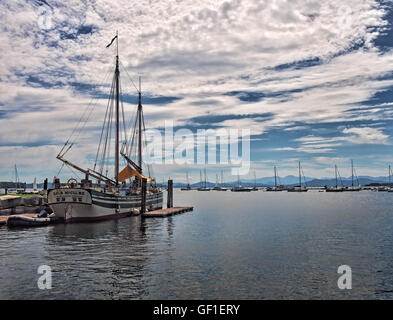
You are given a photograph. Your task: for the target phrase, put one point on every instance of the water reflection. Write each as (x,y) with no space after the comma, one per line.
(102,260)
(233,246)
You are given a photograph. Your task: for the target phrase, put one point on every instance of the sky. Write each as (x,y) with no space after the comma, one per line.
(311,79)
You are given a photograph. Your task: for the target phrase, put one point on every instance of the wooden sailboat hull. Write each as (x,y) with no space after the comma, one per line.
(84,205)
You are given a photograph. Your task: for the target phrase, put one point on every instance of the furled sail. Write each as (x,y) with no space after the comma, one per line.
(129,172)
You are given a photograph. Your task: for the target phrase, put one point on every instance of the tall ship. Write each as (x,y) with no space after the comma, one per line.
(111,196)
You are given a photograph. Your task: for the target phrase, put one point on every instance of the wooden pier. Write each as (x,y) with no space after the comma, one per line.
(3,219)
(166,212)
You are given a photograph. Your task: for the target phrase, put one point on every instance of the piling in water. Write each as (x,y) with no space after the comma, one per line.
(169,202)
(143,196)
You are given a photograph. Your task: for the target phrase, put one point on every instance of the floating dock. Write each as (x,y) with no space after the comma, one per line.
(166,212)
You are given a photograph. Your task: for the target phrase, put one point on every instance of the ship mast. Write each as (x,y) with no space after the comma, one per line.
(255,180)
(140,128)
(275,177)
(352,171)
(117,74)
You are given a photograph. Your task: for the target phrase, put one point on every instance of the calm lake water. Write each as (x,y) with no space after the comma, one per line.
(259,245)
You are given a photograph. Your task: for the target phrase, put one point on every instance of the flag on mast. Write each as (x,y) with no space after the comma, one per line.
(111,42)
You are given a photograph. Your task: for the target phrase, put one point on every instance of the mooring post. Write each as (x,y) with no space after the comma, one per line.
(169,203)
(143,196)
(56,182)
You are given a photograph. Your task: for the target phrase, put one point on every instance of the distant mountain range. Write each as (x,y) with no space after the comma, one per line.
(288,181)
(291,181)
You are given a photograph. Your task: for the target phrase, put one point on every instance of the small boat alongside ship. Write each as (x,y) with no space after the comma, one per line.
(109,197)
(24,221)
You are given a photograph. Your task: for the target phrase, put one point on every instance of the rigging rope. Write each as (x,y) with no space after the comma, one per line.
(122,112)
(87,112)
(341,181)
(121,64)
(304,178)
(105,119)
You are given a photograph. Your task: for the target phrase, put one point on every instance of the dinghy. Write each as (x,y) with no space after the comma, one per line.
(22,221)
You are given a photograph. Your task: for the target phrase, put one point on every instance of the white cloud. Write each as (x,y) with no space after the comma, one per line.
(366,135)
(197,51)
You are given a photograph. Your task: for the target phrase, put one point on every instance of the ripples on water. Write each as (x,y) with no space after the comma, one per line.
(259,245)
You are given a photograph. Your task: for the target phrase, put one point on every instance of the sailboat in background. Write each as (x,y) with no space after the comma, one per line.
(204,187)
(255,182)
(299,188)
(353,174)
(83,201)
(276,187)
(239,187)
(219,187)
(188,187)
(336,188)
(33,190)
(19,186)
(390,188)
(386,188)
(35,184)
